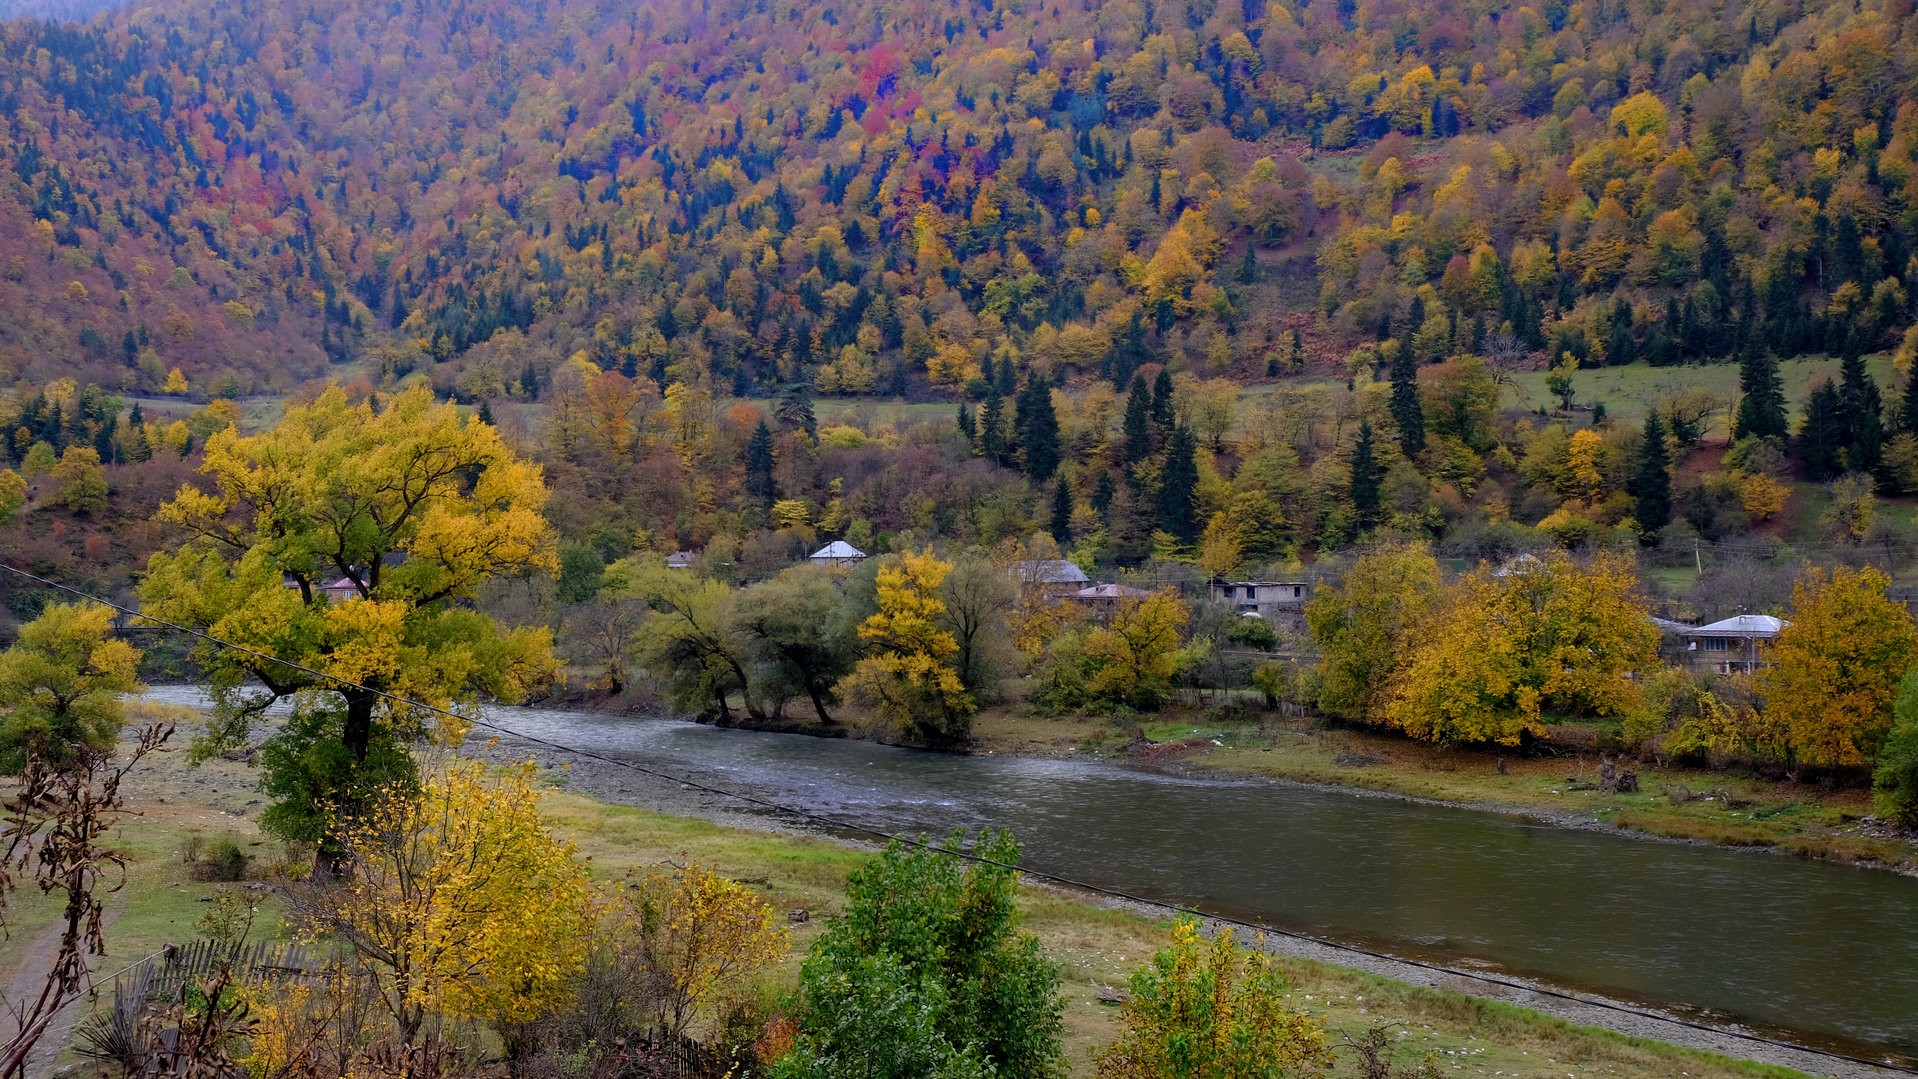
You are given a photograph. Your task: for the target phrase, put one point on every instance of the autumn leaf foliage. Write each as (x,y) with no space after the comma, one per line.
(1835,669)
(459,901)
(1212,1010)
(1506,647)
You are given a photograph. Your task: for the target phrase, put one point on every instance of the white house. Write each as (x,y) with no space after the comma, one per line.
(836,553)
(1732,645)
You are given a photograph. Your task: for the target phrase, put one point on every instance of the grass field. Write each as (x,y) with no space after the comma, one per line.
(1095,946)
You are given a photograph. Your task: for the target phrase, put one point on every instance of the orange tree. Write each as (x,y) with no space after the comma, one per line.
(1835,669)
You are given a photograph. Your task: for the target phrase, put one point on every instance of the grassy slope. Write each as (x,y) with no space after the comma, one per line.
(1095,946)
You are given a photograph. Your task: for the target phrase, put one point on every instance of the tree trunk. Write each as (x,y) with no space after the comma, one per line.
(357,735)
(818,703)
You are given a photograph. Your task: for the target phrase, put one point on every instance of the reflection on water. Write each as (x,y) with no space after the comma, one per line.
(1824,950)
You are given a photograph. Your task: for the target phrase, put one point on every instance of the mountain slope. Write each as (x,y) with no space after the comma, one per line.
(881,196)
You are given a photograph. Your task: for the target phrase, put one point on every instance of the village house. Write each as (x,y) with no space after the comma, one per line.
(836,553)
(1281,603)
(1735,645)
(1055,578)
(1101,600)
(681,560)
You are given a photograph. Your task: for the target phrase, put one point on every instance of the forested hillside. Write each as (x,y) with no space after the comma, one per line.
(882,196)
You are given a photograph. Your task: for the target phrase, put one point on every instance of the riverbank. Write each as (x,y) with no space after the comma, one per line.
(1556,784)
(1560,785)
(1473,1024)
(1462,1025)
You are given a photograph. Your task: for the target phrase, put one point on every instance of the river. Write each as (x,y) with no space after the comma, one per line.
(1828,953)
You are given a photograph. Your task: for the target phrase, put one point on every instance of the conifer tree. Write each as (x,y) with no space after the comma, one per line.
(1138,423)
(1103,493)
(967,426)
(1862,410)
(761,486)
(1761,409)
(1652,484)
(992,428)
(1907,406)
(1178,513)
(1295,359)
(1820,438)
(1407,413)
(1162,411)
(1038,430)
(1061,523)
(1366,475)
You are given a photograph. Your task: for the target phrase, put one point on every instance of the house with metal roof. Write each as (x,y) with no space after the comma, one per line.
(1735,645)
(836,553)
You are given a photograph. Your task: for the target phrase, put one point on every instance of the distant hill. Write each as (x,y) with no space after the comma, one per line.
(60,10)
(891,197)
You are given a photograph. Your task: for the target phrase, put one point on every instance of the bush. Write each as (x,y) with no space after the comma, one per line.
(928,975)
(220,860)
(1896,780)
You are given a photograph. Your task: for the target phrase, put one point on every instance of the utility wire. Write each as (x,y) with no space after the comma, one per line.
(1051,878)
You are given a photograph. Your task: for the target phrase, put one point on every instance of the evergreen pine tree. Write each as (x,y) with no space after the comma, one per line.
(1103,492)
(485,413)
(1138,423)
(1006,382)
(1907,406)
(1162,411)
(1863,411)
(1295,359)
(1366,475)
(1178,514)
(1061,510)
(992,428)
(1651,485)
(761,486)
(1414,321)
(1761,408)
(1407,412)
(967,427)
(1820,438)
(1038,430)
(1249,268)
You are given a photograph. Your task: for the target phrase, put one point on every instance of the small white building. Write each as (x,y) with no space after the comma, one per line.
(1053,577)
(681,560)
(836,553)
(1104,599)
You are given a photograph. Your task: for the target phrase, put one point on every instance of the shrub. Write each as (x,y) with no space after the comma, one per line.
(220,860)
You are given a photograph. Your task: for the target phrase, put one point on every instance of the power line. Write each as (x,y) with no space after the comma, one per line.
(1052,878)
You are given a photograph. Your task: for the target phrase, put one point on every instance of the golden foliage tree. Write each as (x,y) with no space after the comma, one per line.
(908,676)
(1503,649)
(61,685)
(1136,655)
(689,937)
(460,903)
(1835,669)
(348,539)
(1364,624)
(1212,1010)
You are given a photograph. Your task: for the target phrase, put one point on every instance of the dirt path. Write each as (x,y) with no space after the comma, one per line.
(29,978)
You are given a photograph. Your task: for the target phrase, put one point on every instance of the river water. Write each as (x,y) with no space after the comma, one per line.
(1826,952)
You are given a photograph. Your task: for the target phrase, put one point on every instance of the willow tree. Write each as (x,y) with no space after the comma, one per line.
(350,539)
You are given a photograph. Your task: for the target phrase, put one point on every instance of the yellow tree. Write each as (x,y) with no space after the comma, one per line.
(1836,667)
(1212,1009)
(460,904)
(1506,648)
(350,539)
(1363,626)
(60,687)
(687,939)
(1137,653)
(908,676)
